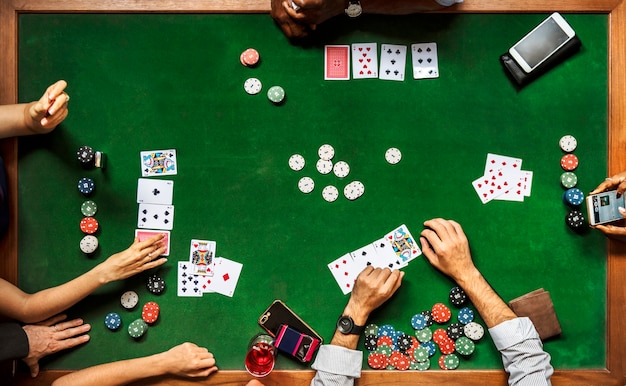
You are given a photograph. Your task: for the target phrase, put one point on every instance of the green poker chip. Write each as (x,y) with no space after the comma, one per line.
(88,208)
(421,366)
(451,361)
(420,354)
(569,180)
(464,346)
(137,328)
(276,94)
(371,329)
(424,335)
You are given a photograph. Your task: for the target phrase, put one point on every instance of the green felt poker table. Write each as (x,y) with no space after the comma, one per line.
(145,77)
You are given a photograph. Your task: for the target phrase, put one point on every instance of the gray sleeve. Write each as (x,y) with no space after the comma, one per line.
(447,3)
(336,366)
(522,352)
(13,341)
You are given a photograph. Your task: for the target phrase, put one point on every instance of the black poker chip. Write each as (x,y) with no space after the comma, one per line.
(371,342)
(428,318)
(455,330)
(404,342)
(575,219)
(86,155)
(155,285)
(458,297)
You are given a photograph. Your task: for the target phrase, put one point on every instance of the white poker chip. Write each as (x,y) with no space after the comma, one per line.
(330,193)
(306,185)
(252,86)
(354,190)
(296,162)
(568,143)
(89,244)
(474,331)
(324,166)
(393,155)
(326,152)
(129,299)
(341,169)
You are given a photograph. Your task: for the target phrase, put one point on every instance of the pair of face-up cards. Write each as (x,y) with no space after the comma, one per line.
(392,61)
(503,179)
(158,163)
(155,204)
(394,251)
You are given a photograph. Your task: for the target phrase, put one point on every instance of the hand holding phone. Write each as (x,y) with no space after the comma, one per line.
(604,207)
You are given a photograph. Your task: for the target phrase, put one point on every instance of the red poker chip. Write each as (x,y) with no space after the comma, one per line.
(150,312)
(569,162)
(399,360)
(377,361)
(441,313)
(440,335)
(249,57)
(89,225)
(442,363)
(447,347)
(385,340)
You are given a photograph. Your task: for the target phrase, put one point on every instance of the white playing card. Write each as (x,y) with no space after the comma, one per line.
(403,244)
(345,271)
(226,276)
(158,163)
(364,60)
(386,254)
(188,284)
(201,256)
(143,234)
(153,216)
(150,191)
(424,59)
(392,62)
(365,256)
(521,187)
(493,185)
(496,162)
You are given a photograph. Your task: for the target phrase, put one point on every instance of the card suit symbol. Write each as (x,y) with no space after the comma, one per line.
(397,52)
(184,268)
(144,219)
(368,48)
(431,72)
(369,72)
(145,211)
(368,263)
(184,289)
(491,191)
(365,66)
(195,282)
(166,221)
(485,195)
(156,216)
(156,192)
(428,49)
(360,48)
(361,72)
(387,72)
(429,60)
(345,273)
(480,185)
(146,170)
(369,60)
(226,277)
(348,285)
(363,253)
(393,61)
(503,163)
(419,50)
(389,50)
(364,55)
(360,60)
(519,192)
(493,161)
(390,265)
(396,72)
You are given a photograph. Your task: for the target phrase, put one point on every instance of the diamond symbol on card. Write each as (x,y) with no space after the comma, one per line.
(226,277)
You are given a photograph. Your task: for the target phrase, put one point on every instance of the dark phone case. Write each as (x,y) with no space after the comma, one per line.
(522,78)
(278,313)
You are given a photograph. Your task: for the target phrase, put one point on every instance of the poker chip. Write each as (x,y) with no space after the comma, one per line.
(384,340)
(574,196)
(440,335)
(85,155)
(112,321)
(88,208)
(326,152)
(569,162)
(88,244)
(474,331)
(330,193)
(399,361)
(455,330)
(418,321)
(341,169)
(420,354)
(377,361)
(306,185)
(568,180)
(129,299)
(354,190)
(465,346)
(447,346)
(466,315)
(568,143)
(386,330)
(276,94)
(155,285)
(384,349)
(457,296)
(424,335)
(371,342)
(430,346)
(324,166)
(441,313)
(450,362)
(150,312)
(421,366)
(404,342)
(371,329)
(575,219)
(249,57)
(89,225)
(296,162)
(137,328)
(252,86)
(393,155)
(86,186)
(428,317)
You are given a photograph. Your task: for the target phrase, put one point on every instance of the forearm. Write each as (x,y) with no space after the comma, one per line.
(15,120)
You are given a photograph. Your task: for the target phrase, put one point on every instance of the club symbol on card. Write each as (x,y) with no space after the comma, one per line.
(156,192)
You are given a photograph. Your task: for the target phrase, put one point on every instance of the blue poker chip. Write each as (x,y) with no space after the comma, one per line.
(430,346)
(86,186)
(418,321)
(466,315)
(574,196)
(112,321)
(387,330)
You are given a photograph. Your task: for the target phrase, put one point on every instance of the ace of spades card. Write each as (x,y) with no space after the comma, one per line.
(188,284)
(153,216)
(201,256)
(158,163)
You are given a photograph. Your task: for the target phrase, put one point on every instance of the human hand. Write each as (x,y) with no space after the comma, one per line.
(50,110)
(189,360)
(617,182)
(446,247)
(51,336)
(254,382)
(137,258)
(373,287)
(283,14)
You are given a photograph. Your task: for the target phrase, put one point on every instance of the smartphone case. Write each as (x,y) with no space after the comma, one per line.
(295,343)
(278,314)
(522,78)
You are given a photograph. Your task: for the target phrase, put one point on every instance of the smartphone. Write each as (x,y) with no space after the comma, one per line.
(278,314)
(602,207)
(543,41)
(295,343)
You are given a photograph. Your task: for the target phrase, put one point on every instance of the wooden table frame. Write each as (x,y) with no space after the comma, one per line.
(613,374)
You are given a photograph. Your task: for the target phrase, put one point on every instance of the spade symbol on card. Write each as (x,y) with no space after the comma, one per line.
(153,216)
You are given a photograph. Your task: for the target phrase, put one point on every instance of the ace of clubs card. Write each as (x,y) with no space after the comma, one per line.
(150,191)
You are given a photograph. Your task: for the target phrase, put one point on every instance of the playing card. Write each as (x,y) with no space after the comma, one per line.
(188,284)
(493,185)
(345,271)
(365,256)
(424,59)
(392,62)
(201,256)
(158,163)
(403,244)
(364,60)
(146,234)
(521,187)
(150,191)
(496,162)
(337,62)
(226,276)
(153,216)
(386,255)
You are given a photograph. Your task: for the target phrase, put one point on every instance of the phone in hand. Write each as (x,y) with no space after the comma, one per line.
(278,314)
(603,207)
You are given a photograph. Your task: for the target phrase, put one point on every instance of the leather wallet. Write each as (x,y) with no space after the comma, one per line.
(537,305)
(522,78)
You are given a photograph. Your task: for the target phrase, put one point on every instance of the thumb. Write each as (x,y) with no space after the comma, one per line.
(622,211)
(34,369)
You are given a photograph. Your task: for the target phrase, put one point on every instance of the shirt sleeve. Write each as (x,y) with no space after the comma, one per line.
(522,352)
(336,366)
(14,341)
(447,3)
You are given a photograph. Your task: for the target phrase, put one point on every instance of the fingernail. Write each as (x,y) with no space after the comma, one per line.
(621,210)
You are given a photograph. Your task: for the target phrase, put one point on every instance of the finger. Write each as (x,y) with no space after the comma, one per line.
(433,240)
(69,324)
(620,188)
(34,369)
(72,332)
(58,103)
(153,264)
(70,342)
(54,91)
(149,242)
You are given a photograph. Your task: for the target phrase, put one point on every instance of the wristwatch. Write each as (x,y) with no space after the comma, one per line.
(346,326)
(354,8)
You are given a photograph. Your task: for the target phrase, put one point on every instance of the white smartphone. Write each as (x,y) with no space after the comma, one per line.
(602,207)
(540,43)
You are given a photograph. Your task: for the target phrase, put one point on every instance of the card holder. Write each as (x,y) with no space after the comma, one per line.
(522,78)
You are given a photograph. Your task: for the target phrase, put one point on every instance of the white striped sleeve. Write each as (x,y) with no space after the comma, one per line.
(336,366)
(447,3)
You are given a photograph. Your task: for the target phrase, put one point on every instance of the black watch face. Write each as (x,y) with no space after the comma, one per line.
(345,325)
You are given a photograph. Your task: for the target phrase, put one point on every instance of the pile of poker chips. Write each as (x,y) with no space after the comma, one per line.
(250,58)
(86,186)
(392,349)
(572,196)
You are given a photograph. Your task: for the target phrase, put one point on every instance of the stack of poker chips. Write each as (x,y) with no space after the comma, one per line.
(572,196)
(90,158)
(86,186)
